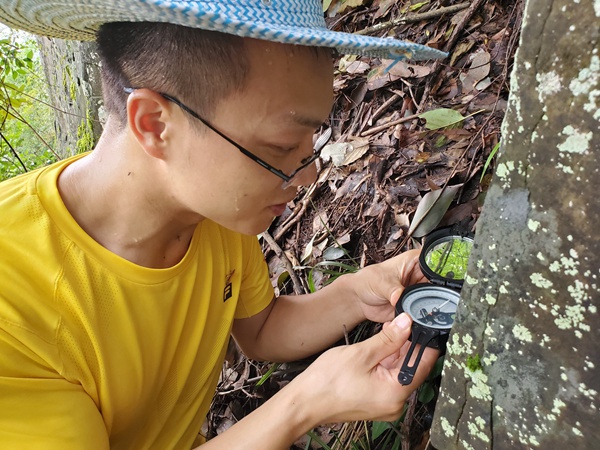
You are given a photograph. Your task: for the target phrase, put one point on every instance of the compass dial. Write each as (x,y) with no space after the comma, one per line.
(433,307)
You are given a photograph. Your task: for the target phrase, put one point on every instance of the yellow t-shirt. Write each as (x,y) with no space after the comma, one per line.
(97,352)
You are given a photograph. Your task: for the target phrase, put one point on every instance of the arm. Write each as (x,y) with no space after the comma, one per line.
(294,327)
(355,382)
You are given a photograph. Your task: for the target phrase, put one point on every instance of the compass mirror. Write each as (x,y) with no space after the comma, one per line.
(446,256)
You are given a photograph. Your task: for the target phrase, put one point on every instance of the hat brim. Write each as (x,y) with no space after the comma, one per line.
(80,21)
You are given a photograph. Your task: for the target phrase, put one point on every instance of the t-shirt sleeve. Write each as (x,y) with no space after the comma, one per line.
(38,408)
(256,291)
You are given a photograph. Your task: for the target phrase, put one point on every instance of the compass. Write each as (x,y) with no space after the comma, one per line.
(432,306)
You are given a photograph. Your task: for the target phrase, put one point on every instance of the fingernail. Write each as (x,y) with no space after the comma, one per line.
(402,321)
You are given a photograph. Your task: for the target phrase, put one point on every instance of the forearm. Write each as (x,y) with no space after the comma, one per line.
(346,383)
(273,426)
(294,327)
(302,325)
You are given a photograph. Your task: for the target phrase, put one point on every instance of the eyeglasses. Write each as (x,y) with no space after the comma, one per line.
(287,179)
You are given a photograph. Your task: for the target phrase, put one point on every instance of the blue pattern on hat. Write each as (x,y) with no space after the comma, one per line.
(286,21)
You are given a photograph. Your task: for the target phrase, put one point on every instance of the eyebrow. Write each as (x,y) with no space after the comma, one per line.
(305,121)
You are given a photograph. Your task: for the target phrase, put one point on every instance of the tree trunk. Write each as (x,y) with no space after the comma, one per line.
(73,76)
(522,363)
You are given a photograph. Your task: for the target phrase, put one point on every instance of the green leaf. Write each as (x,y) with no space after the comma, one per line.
(441,118)
(426,393)
(318,440)
(440,141)
(417,6)
(326,4)
(489,160)
(379,428)
(437,369)
(266,376)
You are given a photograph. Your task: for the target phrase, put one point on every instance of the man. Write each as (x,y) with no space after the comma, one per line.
(124,271)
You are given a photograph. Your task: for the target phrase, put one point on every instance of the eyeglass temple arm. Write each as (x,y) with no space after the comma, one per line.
(264,164)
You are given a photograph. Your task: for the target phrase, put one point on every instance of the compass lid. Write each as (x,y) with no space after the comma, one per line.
(445,255)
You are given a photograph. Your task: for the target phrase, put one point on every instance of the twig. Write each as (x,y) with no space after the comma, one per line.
(249,381)
(48,104)
(298,289)
(411,18)
(299,211)
(409,419)
(389,102)
(385,126)
(14,152)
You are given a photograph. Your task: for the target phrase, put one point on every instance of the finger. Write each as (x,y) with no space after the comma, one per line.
(394,361)
(388,341)
(411,272)
(428,360)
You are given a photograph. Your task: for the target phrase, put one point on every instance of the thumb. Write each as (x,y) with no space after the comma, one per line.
(389,340)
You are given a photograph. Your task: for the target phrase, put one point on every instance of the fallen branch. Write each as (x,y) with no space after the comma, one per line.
(390,101)
(385,126)
(411,18)
(298,288)
(299,211)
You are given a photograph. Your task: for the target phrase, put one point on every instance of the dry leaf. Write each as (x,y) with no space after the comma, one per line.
(357,67)
(391,70)
(360,146)
(460,49)
(431,210)
(480,68)
(339,6)
(336,152)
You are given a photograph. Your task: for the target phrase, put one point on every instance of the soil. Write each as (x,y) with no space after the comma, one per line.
(389,160)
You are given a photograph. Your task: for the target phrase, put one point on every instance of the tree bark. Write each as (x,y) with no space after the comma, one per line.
(73,75)
(522,363)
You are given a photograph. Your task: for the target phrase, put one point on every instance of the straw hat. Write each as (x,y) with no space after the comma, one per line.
(287,21)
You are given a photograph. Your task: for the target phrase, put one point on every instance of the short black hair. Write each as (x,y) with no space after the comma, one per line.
(199,67)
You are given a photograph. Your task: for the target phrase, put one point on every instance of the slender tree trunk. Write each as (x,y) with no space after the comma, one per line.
(522,369)
(73,76)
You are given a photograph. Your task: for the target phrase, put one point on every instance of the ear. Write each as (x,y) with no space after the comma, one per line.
(149,117)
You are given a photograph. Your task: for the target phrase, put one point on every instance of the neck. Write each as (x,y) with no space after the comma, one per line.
(120,197)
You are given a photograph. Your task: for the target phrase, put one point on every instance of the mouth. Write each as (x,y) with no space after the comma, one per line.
(278,210)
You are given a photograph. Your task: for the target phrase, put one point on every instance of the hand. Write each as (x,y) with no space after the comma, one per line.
(378,287)
(360,381)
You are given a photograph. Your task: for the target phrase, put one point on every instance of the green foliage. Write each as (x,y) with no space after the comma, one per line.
(325,268)
(26,122)
(489,160)
(267,375)
(442,118)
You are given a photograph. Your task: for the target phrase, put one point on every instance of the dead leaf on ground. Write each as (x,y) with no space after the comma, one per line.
(391,70)
(479,70)
(339,6)
(431,210)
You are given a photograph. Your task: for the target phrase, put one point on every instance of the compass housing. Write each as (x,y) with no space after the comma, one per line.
(420,292)
(443,260)
(432,306)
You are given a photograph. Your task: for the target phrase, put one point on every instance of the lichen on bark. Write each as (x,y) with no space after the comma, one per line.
(530,310)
